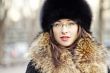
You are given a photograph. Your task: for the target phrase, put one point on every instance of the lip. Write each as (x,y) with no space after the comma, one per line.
(64,38)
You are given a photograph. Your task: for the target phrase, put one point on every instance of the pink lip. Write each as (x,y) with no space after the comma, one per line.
(64,38)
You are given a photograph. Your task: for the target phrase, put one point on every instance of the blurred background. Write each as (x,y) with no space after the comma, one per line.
(19,25)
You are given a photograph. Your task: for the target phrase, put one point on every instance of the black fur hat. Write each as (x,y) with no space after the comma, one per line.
(76,10)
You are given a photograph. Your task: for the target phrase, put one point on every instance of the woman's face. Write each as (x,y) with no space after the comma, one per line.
(65,32)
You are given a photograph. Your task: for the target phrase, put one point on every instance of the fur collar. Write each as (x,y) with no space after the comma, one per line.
(87,51)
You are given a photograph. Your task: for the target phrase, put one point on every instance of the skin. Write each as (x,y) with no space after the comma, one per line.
(65,32)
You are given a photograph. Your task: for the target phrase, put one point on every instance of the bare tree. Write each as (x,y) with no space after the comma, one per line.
(100,20)
(3,15)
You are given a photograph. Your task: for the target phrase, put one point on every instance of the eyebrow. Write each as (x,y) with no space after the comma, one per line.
(67,20)
(59,21)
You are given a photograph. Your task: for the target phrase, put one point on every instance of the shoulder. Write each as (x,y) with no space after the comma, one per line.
(39,45)
(90,49)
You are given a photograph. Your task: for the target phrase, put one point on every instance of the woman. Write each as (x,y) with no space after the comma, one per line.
(66,44)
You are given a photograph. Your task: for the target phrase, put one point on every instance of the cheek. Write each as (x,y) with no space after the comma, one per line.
(56,33)
(74,30)
(74,33)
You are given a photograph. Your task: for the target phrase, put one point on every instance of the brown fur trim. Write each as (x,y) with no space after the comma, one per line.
(89,57)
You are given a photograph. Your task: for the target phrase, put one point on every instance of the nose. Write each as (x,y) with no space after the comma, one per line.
(64,29)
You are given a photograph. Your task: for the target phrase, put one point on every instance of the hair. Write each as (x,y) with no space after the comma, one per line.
(57,50)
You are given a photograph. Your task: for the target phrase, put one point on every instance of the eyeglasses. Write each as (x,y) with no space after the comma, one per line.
(62,25)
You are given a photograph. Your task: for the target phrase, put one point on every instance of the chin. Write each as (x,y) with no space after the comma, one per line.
(66,44)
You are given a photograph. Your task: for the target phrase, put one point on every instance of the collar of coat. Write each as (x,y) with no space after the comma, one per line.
(87,56)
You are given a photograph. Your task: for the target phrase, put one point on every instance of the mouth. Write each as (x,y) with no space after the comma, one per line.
(64,38)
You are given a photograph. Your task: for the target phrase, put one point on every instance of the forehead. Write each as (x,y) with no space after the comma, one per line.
(64,20)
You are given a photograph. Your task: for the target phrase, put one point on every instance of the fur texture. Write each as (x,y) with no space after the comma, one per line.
(77,10)
(89,56)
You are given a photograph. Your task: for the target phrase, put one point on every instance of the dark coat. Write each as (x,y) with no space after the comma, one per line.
(31,69)
(89,57)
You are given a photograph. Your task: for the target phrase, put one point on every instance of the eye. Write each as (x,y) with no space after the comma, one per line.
(72,24)
(56,24)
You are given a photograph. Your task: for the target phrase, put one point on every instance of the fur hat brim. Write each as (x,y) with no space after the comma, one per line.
(76,10)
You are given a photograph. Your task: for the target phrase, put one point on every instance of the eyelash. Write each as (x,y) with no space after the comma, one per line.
(71,24)
(56,24)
